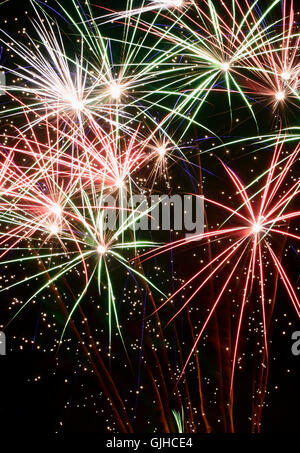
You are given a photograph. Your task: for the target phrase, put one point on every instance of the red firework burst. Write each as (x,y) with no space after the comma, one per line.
(256,222)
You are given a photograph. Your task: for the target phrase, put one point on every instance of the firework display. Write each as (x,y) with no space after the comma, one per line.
(149,213)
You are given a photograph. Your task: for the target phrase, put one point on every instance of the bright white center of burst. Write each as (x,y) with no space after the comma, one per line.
(115,91)
(56,209)
(285,75)
(77,105)
(101,249)
(53,229)
(280,95)
(119,183)
(225,66)
(256,228)
(161,151)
